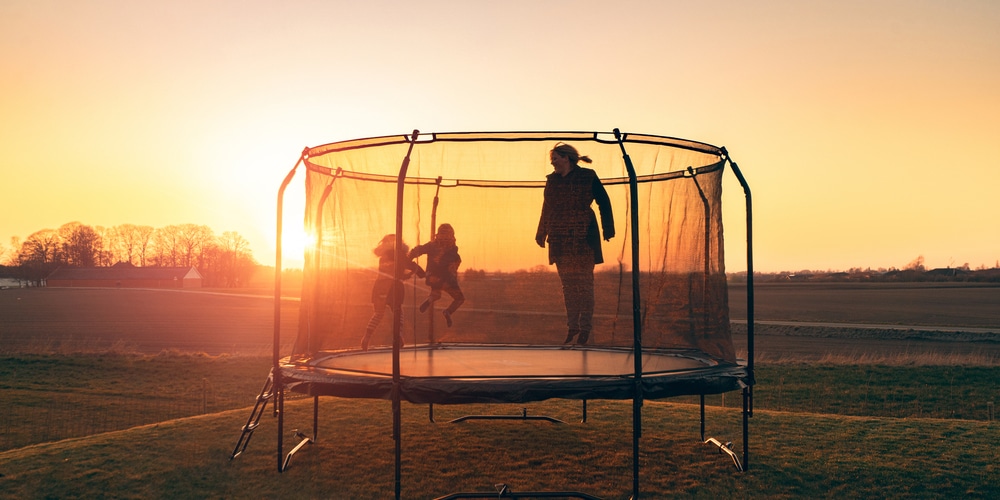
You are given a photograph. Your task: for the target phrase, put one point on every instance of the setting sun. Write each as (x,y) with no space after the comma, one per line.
(843,126)
(294,241)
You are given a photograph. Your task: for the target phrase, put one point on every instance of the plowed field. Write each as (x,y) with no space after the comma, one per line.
(803,321)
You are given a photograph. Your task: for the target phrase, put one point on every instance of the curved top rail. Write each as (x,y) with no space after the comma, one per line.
(506,159)
(606,137)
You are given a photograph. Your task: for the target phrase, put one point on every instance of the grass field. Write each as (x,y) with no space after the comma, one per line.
(53,397)
(793,455)
(86,415)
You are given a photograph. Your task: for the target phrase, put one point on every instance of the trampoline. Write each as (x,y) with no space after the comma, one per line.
(661,325)
(460,374)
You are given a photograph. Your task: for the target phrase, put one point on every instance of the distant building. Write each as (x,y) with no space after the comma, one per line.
(947,273)
(10,283)
(125,276)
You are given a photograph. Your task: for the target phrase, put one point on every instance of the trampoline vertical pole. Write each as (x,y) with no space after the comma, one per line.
(702,405)
(312,343)
(315,435)
(746,428)
(277,384)
(431,337)
(397,309)
(636,316)
(708,251)
(747,391)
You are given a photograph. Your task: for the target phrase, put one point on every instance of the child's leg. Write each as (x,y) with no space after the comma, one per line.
(457,298)
(377,314)
(435,294)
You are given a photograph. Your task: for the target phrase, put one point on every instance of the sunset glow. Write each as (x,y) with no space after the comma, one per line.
(294,242)
(865,129)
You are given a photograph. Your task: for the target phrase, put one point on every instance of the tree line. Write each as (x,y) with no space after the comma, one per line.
(223,260)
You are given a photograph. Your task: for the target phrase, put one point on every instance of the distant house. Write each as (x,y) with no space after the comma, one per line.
(125,276)
(947,273)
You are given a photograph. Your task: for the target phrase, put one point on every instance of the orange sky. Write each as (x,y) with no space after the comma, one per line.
(867,129)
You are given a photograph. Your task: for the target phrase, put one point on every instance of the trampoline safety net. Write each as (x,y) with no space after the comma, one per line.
(489,187)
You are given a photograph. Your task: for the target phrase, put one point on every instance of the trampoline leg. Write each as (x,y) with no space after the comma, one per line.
(747,408)
(430,412)
(279,408)
(584,411)
(315,417)
(304,440)
(702,417)
(727,448)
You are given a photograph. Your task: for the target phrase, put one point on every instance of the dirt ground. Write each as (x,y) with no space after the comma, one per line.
(796,321)
(73,320)
(870,321)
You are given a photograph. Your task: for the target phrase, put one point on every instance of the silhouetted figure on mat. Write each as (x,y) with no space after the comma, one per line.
(569,226)
(387,291)
(442,269)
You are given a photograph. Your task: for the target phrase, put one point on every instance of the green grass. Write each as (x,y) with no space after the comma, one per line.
(80,420)
(48,398)
(51,397)
(817,431)
(792,456)
(932,391)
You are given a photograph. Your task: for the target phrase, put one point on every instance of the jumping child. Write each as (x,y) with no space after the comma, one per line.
(442,269)
(387,291)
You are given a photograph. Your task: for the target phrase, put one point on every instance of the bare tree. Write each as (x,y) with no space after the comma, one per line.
(166,246)
(40,247)
(80,245)
(117,245)
(193,239)
(8,254)
(144,238)
(916,265)
(129,243)
(237,259)
(64,233)
(105,256)
(225,261)
(38,255)
(233,243)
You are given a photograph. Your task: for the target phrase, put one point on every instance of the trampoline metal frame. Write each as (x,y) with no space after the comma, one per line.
(274,389)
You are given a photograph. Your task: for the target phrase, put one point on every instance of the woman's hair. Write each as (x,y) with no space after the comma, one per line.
(570,153)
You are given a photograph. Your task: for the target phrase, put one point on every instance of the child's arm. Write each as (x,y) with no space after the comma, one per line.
(453,266)
(419,271)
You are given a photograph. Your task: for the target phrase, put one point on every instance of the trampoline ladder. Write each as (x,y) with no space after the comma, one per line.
(266,394)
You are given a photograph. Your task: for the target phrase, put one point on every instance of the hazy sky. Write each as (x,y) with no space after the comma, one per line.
(868,130)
